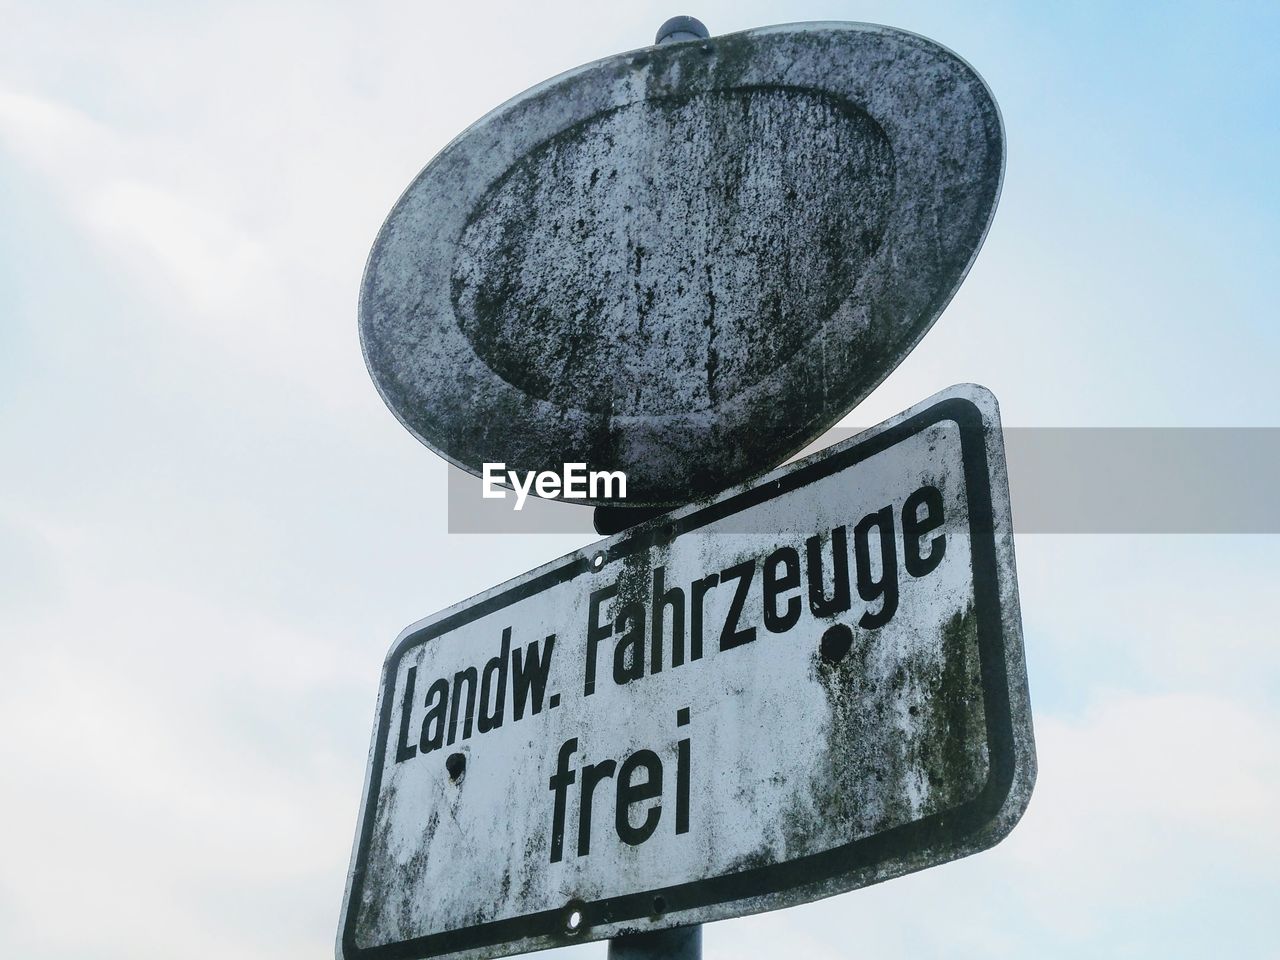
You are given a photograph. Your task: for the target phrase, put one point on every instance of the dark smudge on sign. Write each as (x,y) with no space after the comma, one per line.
(664,278)
(937,764)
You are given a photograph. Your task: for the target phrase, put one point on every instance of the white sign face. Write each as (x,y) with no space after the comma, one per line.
(800,687)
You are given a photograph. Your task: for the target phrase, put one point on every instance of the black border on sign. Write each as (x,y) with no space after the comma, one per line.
(948,830)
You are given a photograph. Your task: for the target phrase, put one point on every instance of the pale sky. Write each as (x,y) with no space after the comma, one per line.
(211,529)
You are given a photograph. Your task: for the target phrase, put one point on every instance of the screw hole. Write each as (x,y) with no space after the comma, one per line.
(836,643)
(659,905)
(597,561)
(455,766)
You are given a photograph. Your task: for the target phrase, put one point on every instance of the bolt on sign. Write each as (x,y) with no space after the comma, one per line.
(795,688)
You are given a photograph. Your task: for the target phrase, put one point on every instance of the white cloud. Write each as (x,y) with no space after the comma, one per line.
(43,131)
(203,252)
(163,755)
(1139,796)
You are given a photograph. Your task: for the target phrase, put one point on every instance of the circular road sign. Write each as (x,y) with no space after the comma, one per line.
(684,262)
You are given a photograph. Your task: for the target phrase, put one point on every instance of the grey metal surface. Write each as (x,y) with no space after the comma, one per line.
(841,699)
(683,262)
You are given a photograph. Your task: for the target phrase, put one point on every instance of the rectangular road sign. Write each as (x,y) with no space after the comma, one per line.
(805,685)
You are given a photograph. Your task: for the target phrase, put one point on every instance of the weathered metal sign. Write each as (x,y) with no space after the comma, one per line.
(684,262)
(790,690)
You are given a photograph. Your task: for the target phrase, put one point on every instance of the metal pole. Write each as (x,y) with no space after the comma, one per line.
(678,943)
